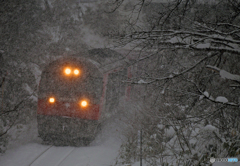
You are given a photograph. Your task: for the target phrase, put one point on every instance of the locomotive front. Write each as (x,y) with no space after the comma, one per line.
(70,100)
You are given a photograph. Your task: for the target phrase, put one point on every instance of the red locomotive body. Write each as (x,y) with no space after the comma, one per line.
(70,100)
(69,109)
(77,94)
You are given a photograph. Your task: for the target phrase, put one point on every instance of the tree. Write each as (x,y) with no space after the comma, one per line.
(189,62)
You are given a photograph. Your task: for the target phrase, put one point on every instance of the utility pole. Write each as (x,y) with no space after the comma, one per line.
(141,147)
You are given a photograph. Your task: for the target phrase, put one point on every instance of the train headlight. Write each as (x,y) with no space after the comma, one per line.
(76,72)
(84,103)
(67,71)
(51,100)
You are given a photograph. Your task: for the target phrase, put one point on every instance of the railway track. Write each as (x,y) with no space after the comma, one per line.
(66,156)
(40,155)
(43,155)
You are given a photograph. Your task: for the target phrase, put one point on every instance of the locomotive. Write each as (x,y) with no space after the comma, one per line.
(76,94)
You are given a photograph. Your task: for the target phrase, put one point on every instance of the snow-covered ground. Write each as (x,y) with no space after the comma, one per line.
(101,152)
(98,155)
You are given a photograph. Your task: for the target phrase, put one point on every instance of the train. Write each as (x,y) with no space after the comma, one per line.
(78,93)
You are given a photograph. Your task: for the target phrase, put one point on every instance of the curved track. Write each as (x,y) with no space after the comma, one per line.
(53,156)
(40,155)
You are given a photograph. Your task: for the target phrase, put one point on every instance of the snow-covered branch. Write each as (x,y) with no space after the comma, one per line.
(219,99)
(171,76)
(224,74)
(198,40)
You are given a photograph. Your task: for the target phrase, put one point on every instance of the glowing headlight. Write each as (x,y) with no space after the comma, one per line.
(67,71)
(76,72)
(51,100)
(84,103)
